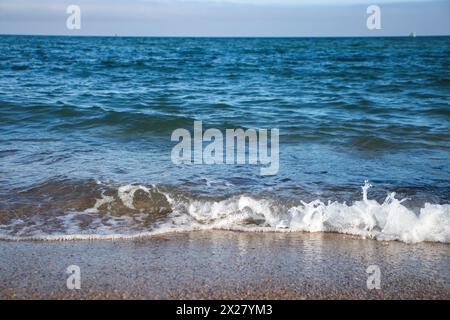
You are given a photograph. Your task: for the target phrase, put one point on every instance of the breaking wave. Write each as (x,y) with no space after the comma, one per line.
(136,211)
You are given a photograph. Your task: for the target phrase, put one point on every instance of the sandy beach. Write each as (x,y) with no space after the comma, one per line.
(226,265)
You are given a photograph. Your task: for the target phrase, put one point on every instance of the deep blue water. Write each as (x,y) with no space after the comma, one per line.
(74,110)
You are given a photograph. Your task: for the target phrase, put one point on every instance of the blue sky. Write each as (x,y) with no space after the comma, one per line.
(226,17)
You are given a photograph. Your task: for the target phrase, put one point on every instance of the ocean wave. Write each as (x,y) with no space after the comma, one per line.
(66,117)
(125,214)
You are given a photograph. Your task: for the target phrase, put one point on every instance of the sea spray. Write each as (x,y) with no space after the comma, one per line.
(366,218)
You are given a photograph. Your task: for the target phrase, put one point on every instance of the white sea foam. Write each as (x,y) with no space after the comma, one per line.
(126,194)
(390,220)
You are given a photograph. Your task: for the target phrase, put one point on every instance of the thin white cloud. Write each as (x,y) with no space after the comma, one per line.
(222,18)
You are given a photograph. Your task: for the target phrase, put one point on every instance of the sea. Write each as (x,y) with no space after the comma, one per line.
(86,125)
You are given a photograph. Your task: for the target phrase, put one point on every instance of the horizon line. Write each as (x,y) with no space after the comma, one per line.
(223,36)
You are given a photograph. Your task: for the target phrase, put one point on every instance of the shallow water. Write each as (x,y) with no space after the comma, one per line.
(83,119)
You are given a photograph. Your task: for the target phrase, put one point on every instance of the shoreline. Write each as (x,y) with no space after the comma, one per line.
(226,265)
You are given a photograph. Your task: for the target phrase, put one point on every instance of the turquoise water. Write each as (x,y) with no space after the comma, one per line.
(82,116)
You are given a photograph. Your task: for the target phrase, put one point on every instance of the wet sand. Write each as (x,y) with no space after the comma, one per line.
(226,265)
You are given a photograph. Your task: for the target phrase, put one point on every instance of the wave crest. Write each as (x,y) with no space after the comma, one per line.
(367,218)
